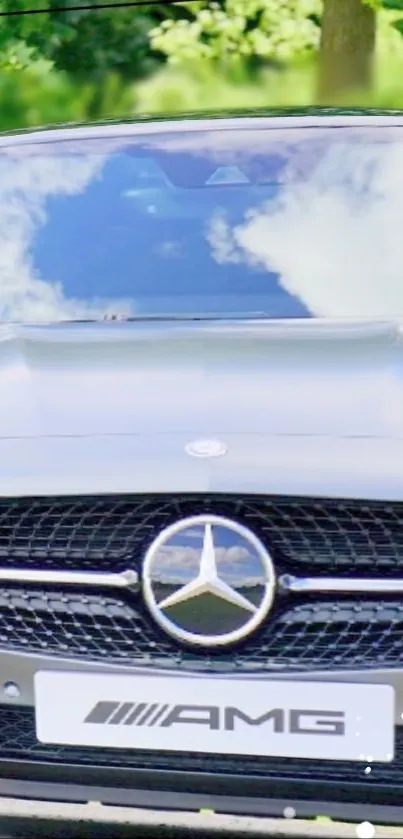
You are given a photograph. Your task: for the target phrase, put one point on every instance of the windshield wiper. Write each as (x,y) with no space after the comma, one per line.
(169,317)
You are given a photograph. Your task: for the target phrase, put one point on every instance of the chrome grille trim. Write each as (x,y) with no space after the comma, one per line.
(339,585)
(129,579)
(126,579)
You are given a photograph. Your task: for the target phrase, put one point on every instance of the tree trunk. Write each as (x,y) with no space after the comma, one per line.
(346,49)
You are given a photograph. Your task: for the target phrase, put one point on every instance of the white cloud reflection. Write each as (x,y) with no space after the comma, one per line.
(176,564)
(26,183)
(172,556)
(334,240)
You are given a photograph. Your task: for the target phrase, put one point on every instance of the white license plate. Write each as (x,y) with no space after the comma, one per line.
(216,715)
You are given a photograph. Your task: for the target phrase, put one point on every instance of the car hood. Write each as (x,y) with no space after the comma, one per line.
(300,394)
(206,378)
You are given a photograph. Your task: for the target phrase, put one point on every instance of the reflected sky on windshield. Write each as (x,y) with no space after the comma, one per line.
(334,240)
(284,223)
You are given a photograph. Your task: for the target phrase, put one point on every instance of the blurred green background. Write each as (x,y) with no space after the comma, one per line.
(84,64)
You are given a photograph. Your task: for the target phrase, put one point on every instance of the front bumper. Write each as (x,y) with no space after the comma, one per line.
(21,818)
(20,668)
(183,781)
(186,792)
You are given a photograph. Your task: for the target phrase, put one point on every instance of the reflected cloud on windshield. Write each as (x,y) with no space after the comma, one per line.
(26,184)
(334,240)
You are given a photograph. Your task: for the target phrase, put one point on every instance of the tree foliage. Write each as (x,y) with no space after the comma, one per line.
(86,43)
(44,73)
(84,63)
(274,30)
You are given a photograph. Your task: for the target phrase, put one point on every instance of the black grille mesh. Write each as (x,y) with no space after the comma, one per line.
(330,634)
(18,741)
(108,533)
(112,533)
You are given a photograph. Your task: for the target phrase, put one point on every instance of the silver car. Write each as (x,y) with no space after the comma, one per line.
(201,449)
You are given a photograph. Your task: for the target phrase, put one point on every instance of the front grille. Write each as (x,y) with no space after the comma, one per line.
(18,742)
(331,634)
(110,533)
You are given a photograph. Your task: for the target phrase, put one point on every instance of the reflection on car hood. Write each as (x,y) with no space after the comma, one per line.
(202,378)
(303,408)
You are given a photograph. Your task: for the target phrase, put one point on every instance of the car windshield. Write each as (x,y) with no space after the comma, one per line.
(225,222)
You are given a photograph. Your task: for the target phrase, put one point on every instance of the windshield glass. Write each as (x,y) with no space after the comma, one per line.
(280,223)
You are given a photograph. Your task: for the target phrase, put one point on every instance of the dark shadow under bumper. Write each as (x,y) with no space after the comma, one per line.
(184,791)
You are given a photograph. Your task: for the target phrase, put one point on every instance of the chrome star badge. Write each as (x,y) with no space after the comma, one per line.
(206,448)
(208,581)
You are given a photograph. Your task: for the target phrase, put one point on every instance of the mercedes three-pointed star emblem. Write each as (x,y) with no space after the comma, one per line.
(208,580)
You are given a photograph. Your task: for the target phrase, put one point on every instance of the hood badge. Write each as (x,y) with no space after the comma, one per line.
(206,448)
(208,581)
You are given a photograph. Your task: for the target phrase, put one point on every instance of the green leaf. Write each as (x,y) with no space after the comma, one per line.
(398,24)
(393,4)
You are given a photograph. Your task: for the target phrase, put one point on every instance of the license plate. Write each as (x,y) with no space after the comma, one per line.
(216,715)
